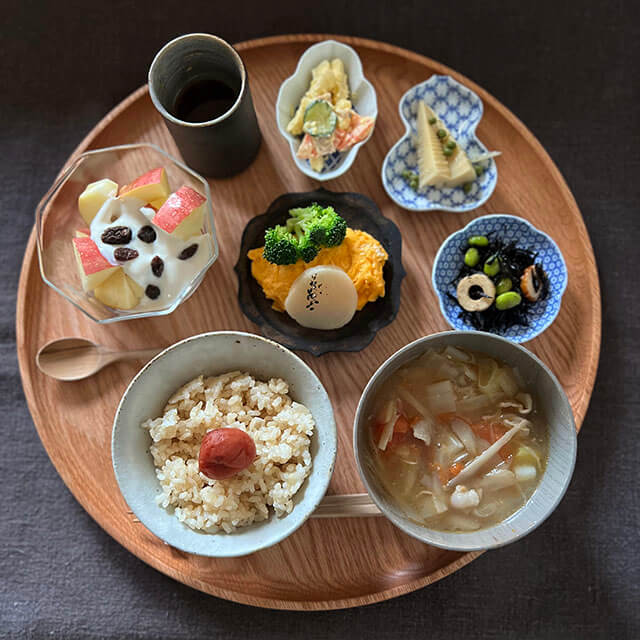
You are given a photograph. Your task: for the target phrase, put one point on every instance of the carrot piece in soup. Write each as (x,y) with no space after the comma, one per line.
(455,469)
(402,425)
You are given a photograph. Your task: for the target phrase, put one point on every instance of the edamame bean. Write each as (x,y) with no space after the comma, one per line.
(508,300)
(472,257)
(492,266)
(451,145)
(478,241)
(504,285)
(447,152)
(432,120)
(441,133)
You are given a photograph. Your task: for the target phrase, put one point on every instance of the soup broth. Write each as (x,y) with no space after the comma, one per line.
(458,441)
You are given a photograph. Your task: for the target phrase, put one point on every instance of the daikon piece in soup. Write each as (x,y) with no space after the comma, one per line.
(459,443)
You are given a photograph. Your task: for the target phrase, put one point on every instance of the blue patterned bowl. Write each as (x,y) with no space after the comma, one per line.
(461,110)
(509,228)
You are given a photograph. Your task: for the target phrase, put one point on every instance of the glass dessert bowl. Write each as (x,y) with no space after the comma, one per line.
(63,234)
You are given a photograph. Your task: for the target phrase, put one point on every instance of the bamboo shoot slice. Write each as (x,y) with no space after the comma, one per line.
(432,163)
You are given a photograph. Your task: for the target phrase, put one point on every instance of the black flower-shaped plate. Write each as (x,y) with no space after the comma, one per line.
(359,212)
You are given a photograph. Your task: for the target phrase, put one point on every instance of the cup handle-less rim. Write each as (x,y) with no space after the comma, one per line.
(160,107)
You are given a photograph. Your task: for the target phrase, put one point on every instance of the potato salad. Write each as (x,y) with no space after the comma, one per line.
(325,117)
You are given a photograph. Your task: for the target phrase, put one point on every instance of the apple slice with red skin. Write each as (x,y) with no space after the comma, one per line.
(148,187)
(93,267)
(182,214)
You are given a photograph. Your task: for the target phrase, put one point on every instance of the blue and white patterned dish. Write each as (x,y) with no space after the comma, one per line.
(461,110)
(509,228)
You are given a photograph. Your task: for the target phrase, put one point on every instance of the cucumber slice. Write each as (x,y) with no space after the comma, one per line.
(320,120)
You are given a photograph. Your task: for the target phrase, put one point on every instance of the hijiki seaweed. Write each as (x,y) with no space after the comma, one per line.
(513,261)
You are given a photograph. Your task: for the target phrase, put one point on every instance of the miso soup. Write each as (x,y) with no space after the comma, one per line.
(459,442)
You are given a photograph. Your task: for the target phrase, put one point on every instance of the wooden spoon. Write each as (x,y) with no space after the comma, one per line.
(77,358)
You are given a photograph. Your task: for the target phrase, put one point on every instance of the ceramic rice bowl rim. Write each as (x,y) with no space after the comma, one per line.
(294,142)
(162,522)
(504,532)
(464,232)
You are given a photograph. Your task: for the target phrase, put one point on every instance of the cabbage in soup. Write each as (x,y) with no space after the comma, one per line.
(458,442)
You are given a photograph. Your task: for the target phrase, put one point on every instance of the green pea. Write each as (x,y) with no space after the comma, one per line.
(504,285)
(478,241)
(479,170)
(472,257)
(447,152)
(492,266)
(451,145)
(508,300)
(432,120)
(467,187)
(441,133)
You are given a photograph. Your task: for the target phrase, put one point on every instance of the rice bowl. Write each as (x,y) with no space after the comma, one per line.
(213,354)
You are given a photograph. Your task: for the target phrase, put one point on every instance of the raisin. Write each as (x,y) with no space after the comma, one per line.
(152,291)
(157,266)
(123,254)
(116,235)
(147,234)
(187,253)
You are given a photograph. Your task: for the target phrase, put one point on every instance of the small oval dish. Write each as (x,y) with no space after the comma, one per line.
(461,110)
(359,212)
(554,406)
(216,353)
(509,228)
(363,97)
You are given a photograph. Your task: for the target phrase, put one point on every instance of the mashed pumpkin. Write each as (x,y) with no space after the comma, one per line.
(360,255)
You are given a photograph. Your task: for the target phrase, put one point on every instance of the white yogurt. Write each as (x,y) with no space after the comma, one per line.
(130,212)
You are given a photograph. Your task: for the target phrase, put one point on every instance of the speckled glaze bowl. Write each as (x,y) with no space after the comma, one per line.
(553,405)
(461,110)
(363,97)
(510,228)
(359,212)
(146,396)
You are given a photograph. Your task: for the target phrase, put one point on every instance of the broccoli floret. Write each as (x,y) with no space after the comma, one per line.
(280,247)
(306,248)
(323,225)
(305,232)
(334,227)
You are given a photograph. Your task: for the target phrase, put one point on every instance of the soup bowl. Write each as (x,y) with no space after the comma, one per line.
(553,406)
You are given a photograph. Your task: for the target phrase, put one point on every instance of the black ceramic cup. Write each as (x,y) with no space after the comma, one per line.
(199,85)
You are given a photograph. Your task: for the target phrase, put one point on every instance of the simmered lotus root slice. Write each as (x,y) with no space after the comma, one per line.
(476,292)
(322,297)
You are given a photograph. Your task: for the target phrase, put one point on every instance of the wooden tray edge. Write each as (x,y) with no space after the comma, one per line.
(560,182)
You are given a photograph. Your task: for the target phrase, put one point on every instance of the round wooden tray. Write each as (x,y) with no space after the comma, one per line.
(328,563)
